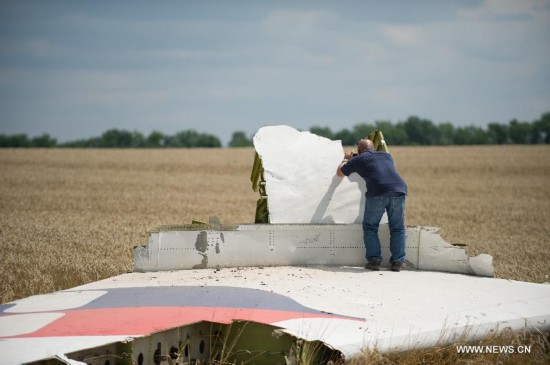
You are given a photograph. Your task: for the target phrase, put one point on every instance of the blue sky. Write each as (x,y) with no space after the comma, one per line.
(74,69)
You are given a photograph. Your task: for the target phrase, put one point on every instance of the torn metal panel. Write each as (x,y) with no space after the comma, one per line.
(200,247)
(435,254)
(299,171)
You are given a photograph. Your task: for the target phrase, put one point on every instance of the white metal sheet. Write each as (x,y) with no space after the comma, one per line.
(297,244)
(301,181)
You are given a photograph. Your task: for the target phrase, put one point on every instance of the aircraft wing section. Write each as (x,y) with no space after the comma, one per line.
(344,308)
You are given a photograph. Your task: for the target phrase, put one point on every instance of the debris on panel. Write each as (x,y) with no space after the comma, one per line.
(378,140)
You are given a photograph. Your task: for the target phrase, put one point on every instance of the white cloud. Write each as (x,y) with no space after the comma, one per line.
(404,35)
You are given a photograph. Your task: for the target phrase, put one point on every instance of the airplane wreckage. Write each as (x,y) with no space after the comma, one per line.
(288,289)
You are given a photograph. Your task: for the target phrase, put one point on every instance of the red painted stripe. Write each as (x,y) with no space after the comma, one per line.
(145,320)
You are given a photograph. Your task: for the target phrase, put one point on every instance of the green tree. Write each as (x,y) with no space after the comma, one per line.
(347,137)
(83,143)
(470,135)
(541,129)
(446,134)
(239,139)
(208,140)
(322,131)
(155,139)
(44,141)
(184,139)
(498,133)
(114,138)
(192,138)
(15,140)
(394,135)
(520,132)
(360,131)
(421,131)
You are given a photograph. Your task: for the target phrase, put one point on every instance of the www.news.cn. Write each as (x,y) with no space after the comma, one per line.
(493,349)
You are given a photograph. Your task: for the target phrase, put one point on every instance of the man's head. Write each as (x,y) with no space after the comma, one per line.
(364,145)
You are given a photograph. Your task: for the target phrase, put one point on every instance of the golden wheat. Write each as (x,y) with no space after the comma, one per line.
(494,199)
(71,216)
(537,343)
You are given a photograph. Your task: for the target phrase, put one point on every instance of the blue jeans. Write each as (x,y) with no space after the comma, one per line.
(394,204)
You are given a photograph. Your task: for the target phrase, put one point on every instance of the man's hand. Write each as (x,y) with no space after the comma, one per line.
(348,155)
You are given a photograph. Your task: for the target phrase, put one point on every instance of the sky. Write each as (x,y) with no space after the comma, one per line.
(74,69)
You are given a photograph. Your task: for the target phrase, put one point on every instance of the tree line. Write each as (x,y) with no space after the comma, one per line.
(116,138)
(418,131)
(412,131)
(423,132)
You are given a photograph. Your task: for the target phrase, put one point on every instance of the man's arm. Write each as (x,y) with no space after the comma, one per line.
(339,169)
(347,156)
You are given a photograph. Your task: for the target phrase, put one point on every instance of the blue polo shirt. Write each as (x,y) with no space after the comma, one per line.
(378,170)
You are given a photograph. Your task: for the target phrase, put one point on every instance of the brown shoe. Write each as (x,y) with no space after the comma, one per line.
(373,265)
(396,266)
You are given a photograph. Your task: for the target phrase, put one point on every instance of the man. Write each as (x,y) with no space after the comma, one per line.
(386,191)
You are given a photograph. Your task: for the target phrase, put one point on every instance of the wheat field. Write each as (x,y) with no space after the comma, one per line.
(72,216)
